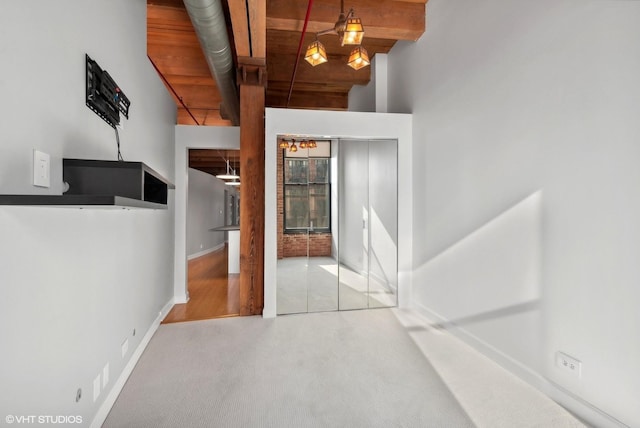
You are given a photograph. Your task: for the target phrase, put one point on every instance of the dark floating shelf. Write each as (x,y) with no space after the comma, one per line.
(103,184)
(79,201)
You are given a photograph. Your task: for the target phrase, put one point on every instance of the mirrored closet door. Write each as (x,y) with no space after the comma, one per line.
(368,218)
(337,225)
(307,233)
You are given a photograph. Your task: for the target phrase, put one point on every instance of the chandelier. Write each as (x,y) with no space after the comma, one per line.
(304,144)
(351,32)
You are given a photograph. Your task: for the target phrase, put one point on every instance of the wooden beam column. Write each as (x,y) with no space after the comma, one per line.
(252,80)
(248,19)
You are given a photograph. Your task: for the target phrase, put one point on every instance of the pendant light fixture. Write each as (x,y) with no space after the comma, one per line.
(350,30)
(353,31)
(293,147)
(316,54)
(359,58)
(229,175)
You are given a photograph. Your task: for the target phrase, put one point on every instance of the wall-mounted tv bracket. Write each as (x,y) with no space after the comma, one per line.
(103,95)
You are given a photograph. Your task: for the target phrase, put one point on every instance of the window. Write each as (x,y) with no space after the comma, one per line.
(307,193)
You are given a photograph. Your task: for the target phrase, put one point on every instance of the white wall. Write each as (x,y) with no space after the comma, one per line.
(192,137)
(328,124)
(525,181)
(77,283)
(205,210)
(372,97)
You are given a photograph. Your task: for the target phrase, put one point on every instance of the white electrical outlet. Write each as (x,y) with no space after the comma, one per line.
(41,169)
(569,364)
(96,388)
(105,375)
(125,347)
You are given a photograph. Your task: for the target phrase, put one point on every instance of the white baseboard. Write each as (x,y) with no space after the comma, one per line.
(184,298)
(581,408)
(205,252)
(110,400)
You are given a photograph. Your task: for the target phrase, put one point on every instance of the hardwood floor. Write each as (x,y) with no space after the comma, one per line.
(212,292)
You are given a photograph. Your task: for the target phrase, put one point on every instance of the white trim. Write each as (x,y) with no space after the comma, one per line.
(111,398)
(192,137)
(205,252)
(576,405)
(339,124)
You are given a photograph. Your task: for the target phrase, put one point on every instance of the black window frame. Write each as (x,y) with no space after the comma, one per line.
(307,183)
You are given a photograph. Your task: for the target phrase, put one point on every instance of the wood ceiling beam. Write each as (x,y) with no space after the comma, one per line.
(308,100)
(182,66)
(168,17)
(239,24)
(190,50)
(399,21)
(335,87)
(335,70)
(172,38)
(249,27)
(380,32)
(258,27)
(177,79)
(196,98)
(206,117)
(286,43)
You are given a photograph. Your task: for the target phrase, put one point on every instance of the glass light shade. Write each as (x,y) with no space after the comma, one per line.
(283,144)
(293,147)
(316,54)
(227,176)
(353,32)
(359,58)
(312,144)
(304,145)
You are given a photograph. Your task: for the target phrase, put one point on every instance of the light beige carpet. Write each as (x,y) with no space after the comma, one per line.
(333,369)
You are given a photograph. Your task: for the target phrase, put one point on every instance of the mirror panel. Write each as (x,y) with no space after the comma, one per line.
(293,233)
(383,223)
(354,224)
(322,286)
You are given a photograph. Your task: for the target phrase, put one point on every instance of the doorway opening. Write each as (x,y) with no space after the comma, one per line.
(212,237)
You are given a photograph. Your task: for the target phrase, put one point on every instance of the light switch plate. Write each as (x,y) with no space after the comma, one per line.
(41,169)
(96,388)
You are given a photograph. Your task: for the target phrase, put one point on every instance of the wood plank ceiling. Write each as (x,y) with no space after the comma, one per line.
(174,49)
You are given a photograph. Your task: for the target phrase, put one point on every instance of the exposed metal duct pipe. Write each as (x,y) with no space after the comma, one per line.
(207,17)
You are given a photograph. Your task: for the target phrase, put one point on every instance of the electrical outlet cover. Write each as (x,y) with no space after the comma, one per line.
(569,364)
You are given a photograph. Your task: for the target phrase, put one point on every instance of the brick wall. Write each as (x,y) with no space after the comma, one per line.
(295,244)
